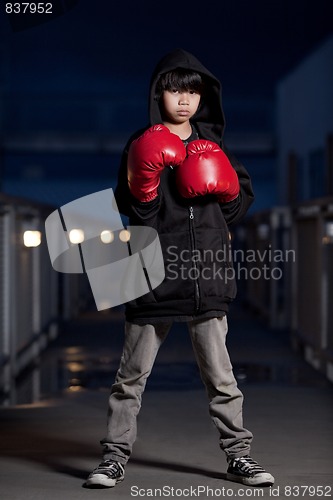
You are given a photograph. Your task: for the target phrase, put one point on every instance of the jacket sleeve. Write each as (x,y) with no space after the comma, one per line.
(235,210)
(128,205)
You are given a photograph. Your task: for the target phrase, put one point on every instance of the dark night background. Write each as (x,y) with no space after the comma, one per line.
(72,90)
(82,78)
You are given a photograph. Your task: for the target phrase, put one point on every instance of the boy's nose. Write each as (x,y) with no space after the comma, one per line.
(183,98)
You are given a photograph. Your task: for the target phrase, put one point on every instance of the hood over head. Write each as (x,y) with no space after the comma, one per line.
(209,119)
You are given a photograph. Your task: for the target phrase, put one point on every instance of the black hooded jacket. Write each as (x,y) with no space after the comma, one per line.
(194,233)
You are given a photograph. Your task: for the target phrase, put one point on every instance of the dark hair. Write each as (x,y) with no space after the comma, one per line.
(179,79)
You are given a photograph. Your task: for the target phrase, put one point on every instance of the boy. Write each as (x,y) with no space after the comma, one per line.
(177,177)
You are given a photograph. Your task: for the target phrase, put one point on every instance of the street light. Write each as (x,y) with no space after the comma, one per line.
(76,236)
(32,238)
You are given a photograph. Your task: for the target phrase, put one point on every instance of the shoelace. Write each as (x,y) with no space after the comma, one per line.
(108,466)
(248,465)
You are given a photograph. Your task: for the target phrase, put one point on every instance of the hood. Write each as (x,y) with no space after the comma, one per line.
(209,119)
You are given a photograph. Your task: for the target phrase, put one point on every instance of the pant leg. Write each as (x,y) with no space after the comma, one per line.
(225,399)
(141,345)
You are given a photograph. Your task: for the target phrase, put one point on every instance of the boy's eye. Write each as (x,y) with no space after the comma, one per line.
(177,91)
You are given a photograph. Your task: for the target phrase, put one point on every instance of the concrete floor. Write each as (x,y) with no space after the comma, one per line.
(48,448)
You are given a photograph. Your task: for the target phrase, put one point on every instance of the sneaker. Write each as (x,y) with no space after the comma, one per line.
(246,471)
(106,475)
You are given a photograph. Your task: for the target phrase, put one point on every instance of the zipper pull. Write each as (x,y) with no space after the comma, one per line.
(191,213)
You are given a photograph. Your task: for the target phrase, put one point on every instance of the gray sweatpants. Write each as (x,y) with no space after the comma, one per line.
(140,349)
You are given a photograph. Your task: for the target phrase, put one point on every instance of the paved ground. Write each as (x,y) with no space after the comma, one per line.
(48,448)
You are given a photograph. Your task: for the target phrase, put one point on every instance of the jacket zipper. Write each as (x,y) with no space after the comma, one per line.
(196,279)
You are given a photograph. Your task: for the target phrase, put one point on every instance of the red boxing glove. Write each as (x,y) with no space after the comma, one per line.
(207,170)
(148,155)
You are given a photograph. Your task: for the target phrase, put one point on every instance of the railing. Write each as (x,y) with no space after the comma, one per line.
(267,257)
(283,262)
(312,293)
(295,290)
(33,298)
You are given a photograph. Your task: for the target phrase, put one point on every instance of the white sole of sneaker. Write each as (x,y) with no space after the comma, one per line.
(263,479)
(102,481)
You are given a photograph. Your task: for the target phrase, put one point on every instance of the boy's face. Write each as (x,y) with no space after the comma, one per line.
(180,105)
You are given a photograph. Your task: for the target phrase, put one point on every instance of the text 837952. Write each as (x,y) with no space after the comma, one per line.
(28,8)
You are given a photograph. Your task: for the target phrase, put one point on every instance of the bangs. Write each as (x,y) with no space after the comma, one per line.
(179,79)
